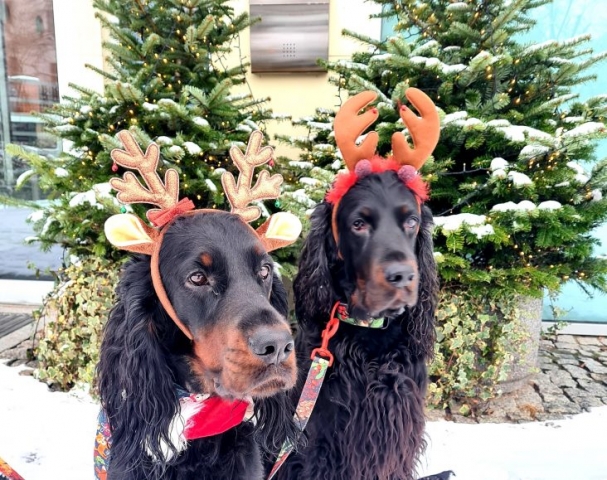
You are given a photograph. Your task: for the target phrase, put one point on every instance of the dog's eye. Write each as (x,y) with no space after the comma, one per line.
(411,222)
(265,272)
(199,279)
(359,225)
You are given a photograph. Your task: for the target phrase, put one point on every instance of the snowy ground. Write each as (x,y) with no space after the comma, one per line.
(49,436)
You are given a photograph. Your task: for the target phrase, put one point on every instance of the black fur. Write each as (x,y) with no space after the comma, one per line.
(144,355)
(369,420)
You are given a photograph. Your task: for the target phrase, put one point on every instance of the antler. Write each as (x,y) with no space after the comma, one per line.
(130,190)
(348,125)
(240,194)
(424,131)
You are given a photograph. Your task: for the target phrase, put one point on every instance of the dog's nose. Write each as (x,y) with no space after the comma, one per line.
(271,346)
(399,275)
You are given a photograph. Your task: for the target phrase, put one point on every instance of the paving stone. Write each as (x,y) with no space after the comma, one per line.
(546,344)
(574,393)
(568,361)
(561,378)
(604,399)
(596,389)
(569,353)
(599,377)
(566,339)
(590,402)
(576,372)
(570,347)
(564,406)
(544,385)
(603,340)
(590,349)
(588,340)
(594,367)
(549,366)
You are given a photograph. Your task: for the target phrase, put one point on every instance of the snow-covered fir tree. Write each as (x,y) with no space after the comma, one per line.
(168,81)
(514,191)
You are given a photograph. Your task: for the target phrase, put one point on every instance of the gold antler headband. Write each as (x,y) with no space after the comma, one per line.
(128,232)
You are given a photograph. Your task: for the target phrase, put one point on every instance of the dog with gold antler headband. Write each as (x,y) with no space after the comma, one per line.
(365,297)
(197,353)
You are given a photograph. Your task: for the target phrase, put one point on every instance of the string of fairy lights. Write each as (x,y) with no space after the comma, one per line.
(418,15)
(171,81)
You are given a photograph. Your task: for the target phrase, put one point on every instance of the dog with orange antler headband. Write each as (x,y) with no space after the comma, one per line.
(198,340)
(365,293)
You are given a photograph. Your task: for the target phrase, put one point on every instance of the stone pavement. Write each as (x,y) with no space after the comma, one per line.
(571,378)
(575,368)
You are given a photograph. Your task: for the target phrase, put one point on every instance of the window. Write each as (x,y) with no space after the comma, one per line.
(28,85)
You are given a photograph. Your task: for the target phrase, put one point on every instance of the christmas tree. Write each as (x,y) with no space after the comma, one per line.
(169,82)
(513,191)
(516,189)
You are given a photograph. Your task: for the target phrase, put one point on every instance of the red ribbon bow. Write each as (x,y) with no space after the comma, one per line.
(159,218)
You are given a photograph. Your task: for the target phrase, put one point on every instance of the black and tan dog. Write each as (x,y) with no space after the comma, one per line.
(370,248)
(198,332)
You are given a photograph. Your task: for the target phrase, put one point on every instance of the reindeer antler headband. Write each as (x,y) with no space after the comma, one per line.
(128,232)
(362,160)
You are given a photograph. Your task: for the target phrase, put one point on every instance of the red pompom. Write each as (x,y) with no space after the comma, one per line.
(114,168)
(406,173)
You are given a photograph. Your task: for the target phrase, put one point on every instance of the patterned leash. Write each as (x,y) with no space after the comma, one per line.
(322,359)
(7,473)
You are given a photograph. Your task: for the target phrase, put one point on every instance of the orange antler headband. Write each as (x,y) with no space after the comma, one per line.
(128,232)
(362,160)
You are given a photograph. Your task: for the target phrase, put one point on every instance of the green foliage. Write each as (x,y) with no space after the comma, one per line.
(76,311)
(514,193)
(169,83)
(477,340)
(516,186)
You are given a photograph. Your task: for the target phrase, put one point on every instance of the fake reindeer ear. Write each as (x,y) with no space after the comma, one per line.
(127,232)
(280,230)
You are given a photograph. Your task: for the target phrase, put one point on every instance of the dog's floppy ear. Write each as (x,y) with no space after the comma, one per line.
(279,298)
(421,327)
(134,380)
(313,286)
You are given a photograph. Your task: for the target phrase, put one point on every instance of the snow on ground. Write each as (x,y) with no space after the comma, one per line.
(49,436)
(45,435)
(571,449)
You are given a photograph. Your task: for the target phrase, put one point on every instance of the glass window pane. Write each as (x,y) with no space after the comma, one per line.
(28,85)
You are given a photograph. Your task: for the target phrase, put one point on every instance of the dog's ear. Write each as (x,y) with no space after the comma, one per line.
(275,424)
(279,298)
(135,383)
(313,284)
(421,327)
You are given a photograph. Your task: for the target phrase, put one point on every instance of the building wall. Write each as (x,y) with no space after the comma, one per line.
(79,39)
(298,94)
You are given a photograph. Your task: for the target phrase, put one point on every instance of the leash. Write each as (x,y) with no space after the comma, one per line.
(7,472)
(322,359)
